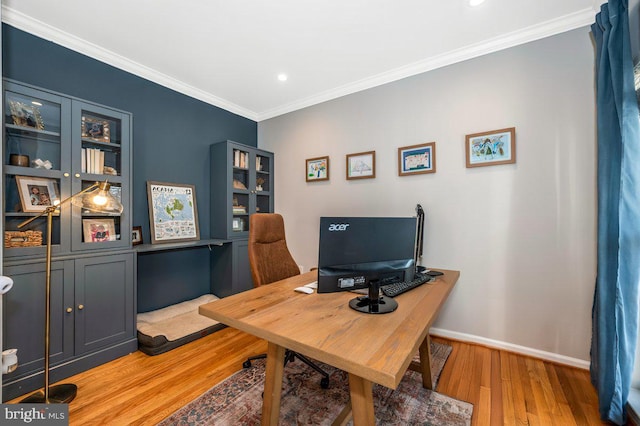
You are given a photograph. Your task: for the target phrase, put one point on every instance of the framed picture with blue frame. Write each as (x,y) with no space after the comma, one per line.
(417,159)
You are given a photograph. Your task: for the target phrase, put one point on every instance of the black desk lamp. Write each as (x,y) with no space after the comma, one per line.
(95,198)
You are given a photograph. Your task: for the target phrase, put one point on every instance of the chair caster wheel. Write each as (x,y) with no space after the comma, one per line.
(246,364)
(324,383)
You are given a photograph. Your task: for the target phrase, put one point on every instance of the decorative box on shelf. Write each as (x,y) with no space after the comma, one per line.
(22,238)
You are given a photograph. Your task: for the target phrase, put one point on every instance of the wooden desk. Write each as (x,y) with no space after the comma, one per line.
(371,348)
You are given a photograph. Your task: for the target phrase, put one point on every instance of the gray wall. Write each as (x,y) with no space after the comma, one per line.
(522,235)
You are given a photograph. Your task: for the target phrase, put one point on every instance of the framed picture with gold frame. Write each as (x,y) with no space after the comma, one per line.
(317,169)
(491,148)
(96,129)
(26,115)
(417,159)
(361,165)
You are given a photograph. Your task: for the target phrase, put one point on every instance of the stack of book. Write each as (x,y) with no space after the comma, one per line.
(240,159)
(239,210)
(92,161)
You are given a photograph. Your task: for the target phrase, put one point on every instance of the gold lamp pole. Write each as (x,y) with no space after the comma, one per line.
(100,200)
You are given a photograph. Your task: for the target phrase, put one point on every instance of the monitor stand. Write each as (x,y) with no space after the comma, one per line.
(373,304)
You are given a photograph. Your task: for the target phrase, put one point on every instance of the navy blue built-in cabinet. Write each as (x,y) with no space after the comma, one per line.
(70,144)
(242,183)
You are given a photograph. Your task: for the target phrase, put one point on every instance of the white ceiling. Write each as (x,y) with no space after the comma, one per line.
(229,52)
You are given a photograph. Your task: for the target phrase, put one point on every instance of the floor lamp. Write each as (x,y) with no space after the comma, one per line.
(95,198)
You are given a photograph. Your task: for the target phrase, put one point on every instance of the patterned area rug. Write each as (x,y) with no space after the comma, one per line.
(238,399)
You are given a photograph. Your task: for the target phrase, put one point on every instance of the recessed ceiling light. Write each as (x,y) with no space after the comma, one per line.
(475,2)
(282,77)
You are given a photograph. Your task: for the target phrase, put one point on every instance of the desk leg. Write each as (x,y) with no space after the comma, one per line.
(361,391)
(272,384)
(425,363)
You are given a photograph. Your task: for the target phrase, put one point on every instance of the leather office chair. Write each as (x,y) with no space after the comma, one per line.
(271,261)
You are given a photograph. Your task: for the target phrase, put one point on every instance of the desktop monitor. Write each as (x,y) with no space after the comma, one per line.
(355,251)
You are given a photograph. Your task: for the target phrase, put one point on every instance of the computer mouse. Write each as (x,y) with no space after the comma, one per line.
(306,290)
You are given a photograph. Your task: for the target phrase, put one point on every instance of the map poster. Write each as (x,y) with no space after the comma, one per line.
(173,213)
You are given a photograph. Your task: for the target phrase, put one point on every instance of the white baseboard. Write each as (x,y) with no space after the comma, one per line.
(523,350)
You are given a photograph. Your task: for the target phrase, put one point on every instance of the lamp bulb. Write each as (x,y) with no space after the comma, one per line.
(100,200)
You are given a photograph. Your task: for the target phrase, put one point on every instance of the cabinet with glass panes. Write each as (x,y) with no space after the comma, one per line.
(55,146)
(242,184)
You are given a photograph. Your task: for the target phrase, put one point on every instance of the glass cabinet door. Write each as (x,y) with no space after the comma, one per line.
(251,192)
(263,188)
(100,153)
(35,167)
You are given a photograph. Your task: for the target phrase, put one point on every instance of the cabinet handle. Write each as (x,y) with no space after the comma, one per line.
(65,174)
(77,175)
(69,310)
(80,307)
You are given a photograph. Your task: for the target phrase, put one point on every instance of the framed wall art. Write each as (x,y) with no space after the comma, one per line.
(173,213)
(36,194)
(136,235)
(491,148)
(361,165)
(317,169)
(417,159)
(98,230)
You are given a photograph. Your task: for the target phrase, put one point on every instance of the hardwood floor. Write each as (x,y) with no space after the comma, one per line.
(503,387)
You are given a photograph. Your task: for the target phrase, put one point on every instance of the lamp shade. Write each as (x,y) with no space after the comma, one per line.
(98,200)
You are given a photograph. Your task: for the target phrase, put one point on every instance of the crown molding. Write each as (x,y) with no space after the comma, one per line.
(532,33)
(546,29)
(50,33)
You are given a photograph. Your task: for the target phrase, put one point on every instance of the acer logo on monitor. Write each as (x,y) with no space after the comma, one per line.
(338,226)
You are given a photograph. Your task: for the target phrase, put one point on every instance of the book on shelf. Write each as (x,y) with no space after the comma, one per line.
(92,161)
(239,209)
(240,159)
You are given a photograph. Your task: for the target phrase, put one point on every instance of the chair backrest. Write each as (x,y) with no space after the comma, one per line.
(269,256)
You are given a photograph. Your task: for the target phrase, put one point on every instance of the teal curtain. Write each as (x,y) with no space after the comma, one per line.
(615,306)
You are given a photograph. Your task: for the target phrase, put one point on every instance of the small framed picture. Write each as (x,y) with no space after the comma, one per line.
(26,115)
(317,169)
(96,129)
(36,194)
(237,224)
(136,235)
(417,159)
(173,212)
(491,148)
(361,165)
(98,230)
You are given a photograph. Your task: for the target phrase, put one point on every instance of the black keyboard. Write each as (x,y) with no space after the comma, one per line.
(392,290)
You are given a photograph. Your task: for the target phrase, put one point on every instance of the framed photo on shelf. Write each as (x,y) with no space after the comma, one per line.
(36,194)
(26,115)
(317,169)
(491,148)
(237,224)
(96,129)
(136,235)
(361,165)
(98,230)
(417,159)
(173,212)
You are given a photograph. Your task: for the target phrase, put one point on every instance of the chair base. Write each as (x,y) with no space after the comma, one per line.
(290,356)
